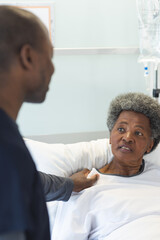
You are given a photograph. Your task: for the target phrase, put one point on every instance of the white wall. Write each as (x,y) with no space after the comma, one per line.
(83,85)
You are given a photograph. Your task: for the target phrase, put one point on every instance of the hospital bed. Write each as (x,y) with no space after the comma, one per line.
(65,159)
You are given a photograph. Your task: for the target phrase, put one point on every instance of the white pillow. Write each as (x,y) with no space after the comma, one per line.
(154,157)
(65,159)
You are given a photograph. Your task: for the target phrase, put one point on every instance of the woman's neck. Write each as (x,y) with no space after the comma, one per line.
(114,167)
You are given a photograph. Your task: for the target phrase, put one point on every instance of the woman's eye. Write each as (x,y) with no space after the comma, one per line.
(139,133)
(121,130)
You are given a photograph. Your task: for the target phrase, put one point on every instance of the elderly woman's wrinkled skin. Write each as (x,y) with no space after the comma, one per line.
(130,139)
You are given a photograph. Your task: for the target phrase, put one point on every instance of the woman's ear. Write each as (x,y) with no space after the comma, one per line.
(150,146)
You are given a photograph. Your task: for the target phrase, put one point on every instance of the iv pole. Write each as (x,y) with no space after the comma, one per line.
(156,90)
(149,26)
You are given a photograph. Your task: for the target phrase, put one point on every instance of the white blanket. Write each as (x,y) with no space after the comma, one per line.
(125,208)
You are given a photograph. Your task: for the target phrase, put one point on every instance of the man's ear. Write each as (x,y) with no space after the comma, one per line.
(27,56)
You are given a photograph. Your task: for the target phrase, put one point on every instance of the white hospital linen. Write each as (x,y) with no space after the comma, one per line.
(114,203)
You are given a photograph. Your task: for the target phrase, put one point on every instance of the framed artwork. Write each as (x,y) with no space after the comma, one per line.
(43,9)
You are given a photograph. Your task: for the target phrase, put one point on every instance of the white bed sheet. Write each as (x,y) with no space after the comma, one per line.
(65,159)
(115,208)
(145,228)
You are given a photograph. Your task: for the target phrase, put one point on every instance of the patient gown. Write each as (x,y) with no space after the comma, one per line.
(115,208)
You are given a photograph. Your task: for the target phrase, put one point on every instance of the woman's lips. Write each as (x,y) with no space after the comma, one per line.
(125,148)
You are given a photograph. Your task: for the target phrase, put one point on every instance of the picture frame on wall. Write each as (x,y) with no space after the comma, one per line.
(42,9)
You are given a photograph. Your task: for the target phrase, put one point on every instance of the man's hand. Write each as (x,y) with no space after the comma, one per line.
(81,181)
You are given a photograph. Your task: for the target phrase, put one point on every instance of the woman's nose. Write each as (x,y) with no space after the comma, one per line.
(127,137)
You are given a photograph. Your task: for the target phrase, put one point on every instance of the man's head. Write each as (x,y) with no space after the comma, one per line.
(25,48)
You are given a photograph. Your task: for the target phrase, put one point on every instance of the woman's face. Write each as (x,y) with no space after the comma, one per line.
(131,138)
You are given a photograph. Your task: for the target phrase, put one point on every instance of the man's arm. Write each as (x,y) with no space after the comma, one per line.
(56,188)
(60,188)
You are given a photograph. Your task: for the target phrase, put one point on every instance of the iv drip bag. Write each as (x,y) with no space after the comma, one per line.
(149,30)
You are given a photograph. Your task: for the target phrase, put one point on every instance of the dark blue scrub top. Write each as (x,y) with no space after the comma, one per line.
(22,204)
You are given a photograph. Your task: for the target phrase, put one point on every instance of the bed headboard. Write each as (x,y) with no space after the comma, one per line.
(67,138)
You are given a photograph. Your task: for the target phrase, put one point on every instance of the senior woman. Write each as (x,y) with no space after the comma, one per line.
(124,203)
(134,125)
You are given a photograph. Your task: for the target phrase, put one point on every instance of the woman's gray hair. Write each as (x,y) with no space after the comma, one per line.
(137,102)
